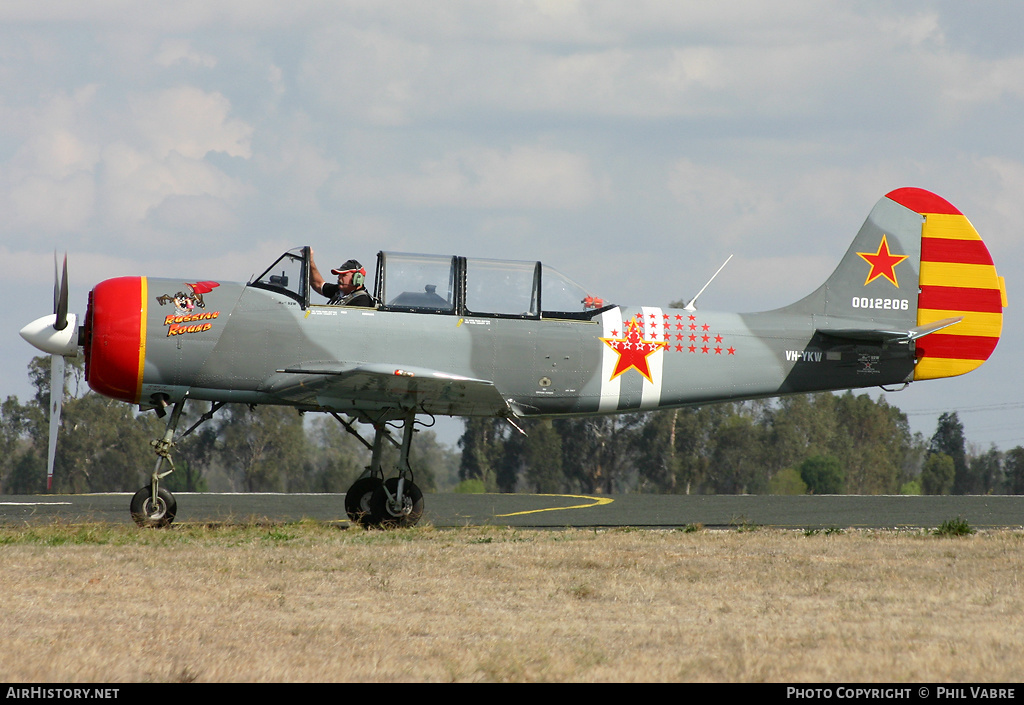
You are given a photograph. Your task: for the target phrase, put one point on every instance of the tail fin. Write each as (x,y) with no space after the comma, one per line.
(917,271)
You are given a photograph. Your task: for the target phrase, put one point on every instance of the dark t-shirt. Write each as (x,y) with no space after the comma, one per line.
(359,297)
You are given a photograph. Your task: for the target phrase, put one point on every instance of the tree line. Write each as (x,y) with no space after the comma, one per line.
(104,446)
(819,443)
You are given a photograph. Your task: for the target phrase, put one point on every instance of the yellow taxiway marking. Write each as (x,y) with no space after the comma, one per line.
(598,501)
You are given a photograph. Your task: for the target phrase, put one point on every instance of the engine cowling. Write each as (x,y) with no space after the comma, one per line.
(114,338)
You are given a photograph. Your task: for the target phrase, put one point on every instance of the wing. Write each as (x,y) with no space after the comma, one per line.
(381,387)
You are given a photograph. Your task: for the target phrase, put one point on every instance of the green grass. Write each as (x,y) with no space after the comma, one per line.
(954,527)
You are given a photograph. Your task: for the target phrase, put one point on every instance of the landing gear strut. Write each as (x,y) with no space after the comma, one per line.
(369,502)
(373,502)
(154,506)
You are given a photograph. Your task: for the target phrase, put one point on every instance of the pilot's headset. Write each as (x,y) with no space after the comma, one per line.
(359,273)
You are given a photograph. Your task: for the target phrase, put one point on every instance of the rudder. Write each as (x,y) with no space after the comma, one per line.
(957,278)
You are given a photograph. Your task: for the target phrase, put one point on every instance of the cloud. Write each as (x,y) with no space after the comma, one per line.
(86,165)
(135,185)
(524,176)
(174,51)
(49,205)
(299,169)
(189,121)
(48,184)
(377,66)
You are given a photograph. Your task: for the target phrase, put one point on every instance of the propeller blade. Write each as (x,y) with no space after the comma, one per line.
(56,401)
(60,294)
(56,284)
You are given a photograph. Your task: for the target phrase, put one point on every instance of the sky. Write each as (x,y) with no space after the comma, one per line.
(634,146)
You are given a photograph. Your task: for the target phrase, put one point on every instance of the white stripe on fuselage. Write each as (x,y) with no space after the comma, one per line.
(611,321)
(653,330)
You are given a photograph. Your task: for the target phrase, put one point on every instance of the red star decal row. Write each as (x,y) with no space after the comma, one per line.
(883,263)
(678,333)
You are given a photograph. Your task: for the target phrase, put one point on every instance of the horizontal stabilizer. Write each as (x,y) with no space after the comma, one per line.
(876,335)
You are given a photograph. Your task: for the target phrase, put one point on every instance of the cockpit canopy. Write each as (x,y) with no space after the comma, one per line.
(453,285)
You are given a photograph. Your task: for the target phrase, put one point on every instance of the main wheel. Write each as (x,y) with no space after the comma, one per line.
(405,513)
(153,514)
(357,500)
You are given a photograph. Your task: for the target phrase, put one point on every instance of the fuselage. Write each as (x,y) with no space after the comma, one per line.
(147,341)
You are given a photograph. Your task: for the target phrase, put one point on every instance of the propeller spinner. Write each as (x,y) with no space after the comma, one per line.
(56,334)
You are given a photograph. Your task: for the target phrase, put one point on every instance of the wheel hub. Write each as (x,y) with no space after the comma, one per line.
(155,509)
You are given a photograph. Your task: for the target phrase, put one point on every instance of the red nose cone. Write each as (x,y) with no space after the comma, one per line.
(115,338)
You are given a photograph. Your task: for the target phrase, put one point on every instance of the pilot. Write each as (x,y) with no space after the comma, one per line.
(349,291)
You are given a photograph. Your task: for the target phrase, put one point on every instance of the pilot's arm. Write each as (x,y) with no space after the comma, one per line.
(316,280)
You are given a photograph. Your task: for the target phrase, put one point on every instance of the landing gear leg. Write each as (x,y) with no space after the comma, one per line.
(372,502)
(398,502)
(153,506)
(357,499)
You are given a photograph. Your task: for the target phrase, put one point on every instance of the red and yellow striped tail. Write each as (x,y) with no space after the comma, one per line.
(957,278)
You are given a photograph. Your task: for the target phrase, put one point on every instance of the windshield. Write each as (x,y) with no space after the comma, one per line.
(560,294)
(501,287)
(287,275)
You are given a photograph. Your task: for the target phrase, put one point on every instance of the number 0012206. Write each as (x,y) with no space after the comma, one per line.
(884,304)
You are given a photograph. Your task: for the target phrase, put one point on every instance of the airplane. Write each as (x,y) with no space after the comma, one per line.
(916,297)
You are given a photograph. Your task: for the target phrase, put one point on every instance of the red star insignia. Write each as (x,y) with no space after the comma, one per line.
(633,351)
(731,351)
(883,264)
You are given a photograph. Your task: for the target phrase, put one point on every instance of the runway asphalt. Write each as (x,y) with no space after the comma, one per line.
(555,511)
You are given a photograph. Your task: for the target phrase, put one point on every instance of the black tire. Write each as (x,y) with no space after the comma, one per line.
(357,501)
(150,514)
(412,505)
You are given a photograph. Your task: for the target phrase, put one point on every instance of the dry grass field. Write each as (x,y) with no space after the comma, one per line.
(315,602)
